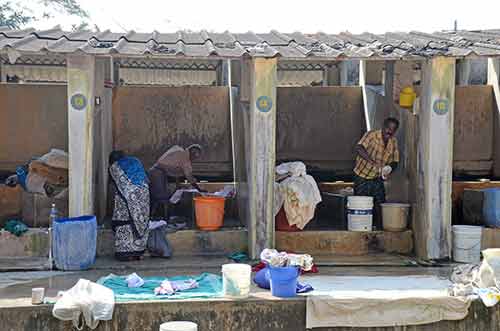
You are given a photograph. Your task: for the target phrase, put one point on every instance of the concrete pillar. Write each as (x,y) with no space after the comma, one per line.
(432,224)
(262,152)
(103,131)
(494,81)
(81,120)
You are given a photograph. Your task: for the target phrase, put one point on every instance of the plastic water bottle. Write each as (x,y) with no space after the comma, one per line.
(54,214)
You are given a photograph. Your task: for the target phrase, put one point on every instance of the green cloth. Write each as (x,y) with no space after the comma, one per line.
(210,286)
(239,257)
(16,227)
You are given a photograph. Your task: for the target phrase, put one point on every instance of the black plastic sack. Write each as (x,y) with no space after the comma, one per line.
(158,244)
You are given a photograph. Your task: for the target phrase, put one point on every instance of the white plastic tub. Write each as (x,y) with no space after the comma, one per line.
(467,243)
(179,326)
(395,216)
(236,280)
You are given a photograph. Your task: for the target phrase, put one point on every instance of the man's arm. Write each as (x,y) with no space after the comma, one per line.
(363,153)
(188,173)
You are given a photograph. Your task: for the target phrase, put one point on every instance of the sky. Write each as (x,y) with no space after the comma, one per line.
(307,16)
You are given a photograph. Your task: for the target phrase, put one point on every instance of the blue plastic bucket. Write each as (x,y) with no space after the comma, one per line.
(74,242)
(284,281)
(491,207)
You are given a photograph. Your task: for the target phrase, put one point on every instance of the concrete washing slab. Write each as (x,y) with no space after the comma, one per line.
(260,311)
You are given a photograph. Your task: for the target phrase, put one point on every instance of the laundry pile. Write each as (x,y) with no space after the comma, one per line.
(298,193)
(47,175)
(168,287)
(479,280)
(283,259)
(273,258)
(96,301)
(135,288)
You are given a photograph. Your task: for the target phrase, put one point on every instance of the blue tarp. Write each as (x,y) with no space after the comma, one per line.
(210,286)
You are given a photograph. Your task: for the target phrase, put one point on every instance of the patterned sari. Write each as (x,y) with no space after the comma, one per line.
(131,210)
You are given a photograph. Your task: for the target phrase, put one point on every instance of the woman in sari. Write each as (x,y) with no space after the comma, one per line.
(131,207)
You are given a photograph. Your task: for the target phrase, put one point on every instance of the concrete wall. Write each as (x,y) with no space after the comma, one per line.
(256,313)
(33,119)
(320,126)
(149,120)
(473,130)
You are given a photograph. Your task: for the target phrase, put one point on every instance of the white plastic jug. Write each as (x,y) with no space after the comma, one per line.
(236,280)
(179,326)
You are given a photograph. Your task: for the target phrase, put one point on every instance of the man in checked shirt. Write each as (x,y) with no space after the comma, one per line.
(377,156)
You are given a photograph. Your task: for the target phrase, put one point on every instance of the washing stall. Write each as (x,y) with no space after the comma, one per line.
(150,119)
(320,126)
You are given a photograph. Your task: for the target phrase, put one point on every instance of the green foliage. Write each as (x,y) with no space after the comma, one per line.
(14,15)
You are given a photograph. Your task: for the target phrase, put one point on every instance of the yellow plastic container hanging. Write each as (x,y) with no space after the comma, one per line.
(406,97)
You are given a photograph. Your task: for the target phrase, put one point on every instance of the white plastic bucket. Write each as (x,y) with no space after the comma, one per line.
(395,216)
(236,280)
(359,213)
(179,326)
(467,243)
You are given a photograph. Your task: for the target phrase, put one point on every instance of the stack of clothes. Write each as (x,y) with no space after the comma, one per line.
(298,194)
(479,280)
(47,175)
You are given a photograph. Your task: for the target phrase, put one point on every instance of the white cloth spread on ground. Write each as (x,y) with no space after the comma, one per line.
(381,301)
(94,301)
(298,194)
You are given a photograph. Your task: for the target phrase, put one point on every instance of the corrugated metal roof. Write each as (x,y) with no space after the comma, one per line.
(396,45)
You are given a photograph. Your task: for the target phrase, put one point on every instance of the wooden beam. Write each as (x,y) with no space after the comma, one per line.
(494,81)
(435,160)
(81,92)
(262,157)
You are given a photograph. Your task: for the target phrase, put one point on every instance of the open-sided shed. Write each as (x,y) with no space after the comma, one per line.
(248,64)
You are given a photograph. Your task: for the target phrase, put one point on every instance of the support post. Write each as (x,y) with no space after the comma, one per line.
(262,156)
(103,131)
(494,81)
(369,97)
(435,160)
(81,92)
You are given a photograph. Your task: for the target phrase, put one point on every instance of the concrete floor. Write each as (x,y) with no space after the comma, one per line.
(15,287)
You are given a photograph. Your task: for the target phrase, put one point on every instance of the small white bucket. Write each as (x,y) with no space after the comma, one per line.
(467,243)
(360,213)
(179,326)
(236,280)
